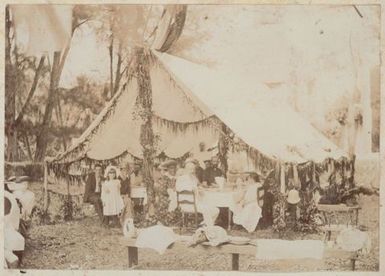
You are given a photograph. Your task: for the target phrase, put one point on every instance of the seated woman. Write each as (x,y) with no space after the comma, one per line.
(248,211)
(112,201)
(189,182)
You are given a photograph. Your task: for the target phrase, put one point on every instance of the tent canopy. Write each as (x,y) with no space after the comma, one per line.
(187,100)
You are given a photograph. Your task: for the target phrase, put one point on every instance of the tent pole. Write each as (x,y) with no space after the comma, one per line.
(146,131)
(45,186)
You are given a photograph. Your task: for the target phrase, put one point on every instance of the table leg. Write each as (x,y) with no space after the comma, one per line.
(235,261)
(357,217)
(132,256)
(353,264)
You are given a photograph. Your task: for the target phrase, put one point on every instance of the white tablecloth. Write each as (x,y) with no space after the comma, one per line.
(221,198)
(213,196)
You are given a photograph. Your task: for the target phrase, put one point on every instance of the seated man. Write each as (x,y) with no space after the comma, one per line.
(189,182)
(248,212)
(212,171)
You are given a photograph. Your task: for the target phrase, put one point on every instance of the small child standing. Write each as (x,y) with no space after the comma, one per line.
(111,198)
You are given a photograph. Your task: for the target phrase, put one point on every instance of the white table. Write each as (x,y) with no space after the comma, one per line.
(225,198)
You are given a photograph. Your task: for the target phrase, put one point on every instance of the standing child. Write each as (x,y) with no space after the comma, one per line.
(111,198)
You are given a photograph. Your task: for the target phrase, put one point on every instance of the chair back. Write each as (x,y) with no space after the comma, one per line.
(186,200)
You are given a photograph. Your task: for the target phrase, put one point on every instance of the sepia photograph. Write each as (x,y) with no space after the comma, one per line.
(192,137)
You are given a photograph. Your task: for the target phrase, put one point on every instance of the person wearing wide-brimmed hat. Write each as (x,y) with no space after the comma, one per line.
(112,201)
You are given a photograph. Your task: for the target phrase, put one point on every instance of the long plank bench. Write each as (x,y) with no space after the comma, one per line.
(234,250)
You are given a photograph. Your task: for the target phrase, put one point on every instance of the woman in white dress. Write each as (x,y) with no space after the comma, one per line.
(189,182)
(112,201)
(248,212)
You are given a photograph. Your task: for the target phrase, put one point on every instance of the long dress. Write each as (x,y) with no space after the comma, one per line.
(248,215)
(112,201)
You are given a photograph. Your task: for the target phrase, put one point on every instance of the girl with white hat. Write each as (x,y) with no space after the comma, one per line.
(111,198)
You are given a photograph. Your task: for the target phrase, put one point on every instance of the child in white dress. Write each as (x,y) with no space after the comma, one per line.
(112,201)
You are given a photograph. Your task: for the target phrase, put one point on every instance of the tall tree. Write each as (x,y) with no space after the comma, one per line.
(10,95)
(59,59)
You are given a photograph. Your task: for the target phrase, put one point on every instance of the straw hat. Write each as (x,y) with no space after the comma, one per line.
(293,197)
(110,168)
(215,235)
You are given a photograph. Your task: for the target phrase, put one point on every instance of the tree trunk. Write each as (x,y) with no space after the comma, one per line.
(31,91)
(42,139)
(223,148)
(57,68)
(10,94)
(27,144)
(146,131)
(111,52)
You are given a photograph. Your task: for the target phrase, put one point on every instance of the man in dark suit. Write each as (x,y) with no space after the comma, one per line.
(212,171)
(93,190)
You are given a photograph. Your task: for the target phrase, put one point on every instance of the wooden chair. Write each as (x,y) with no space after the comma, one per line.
(187,202)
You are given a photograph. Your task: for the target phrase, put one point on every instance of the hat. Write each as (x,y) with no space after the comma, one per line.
(216,235)
(168,163)
(24,178)
(18,179)
(109,168)
(293,197)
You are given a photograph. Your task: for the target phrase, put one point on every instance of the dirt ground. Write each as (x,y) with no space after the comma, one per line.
(84,244)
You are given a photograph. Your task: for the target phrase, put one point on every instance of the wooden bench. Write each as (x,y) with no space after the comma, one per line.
(234,250)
